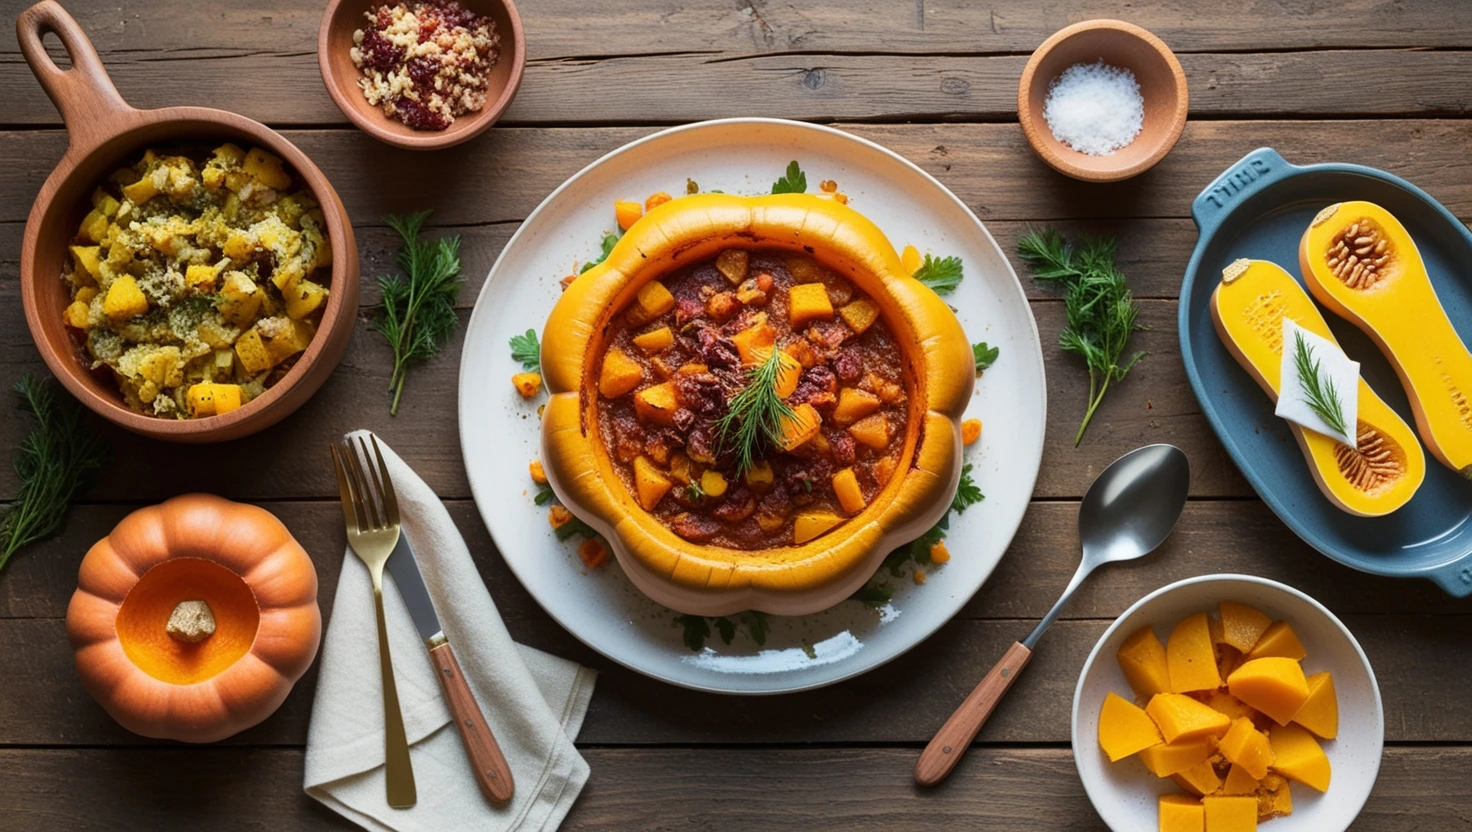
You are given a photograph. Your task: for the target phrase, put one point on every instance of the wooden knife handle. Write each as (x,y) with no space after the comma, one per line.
(491,770)
(953,738)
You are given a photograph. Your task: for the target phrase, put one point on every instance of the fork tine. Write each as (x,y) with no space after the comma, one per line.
(364,493)
(374,486)
(390,499)
(344,491)
(342,454)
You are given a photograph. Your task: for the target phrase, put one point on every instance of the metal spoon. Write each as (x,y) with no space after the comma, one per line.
(1128,511)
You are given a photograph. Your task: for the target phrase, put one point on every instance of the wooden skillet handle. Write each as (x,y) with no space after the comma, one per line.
(491,770)
(953,738)
(84,94)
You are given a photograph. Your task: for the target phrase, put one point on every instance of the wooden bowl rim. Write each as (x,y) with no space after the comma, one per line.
(1033,130)
(371,120)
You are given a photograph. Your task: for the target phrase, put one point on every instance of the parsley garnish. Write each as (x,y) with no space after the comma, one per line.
(697,630)
(575,527)
(1318,391)
(795,182)
(875,594)
(941,274)
(526,349)
(544,496)
(967,492)
(53,462)
(757,626)
(985,355)
(878,593)
(417,313)
(606,248)
(1101,312)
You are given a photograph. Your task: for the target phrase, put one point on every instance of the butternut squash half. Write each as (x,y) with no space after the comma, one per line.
(1360,262)
(1373,479)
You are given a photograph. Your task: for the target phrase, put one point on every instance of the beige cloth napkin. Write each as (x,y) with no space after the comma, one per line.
(533,701)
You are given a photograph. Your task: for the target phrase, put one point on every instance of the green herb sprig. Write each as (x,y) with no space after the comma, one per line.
(984,355)
(795,182)
(941,274)
(1318,391)
(53,462)
(605,248)
(753,420)
(417,313)
(1101,311)
(528,350)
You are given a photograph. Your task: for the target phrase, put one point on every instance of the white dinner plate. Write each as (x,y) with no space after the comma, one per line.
(499,431)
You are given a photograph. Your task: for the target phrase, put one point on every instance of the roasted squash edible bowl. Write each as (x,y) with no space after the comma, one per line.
(788,580)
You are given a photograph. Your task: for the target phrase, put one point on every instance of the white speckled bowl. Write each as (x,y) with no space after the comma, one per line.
(1124,793)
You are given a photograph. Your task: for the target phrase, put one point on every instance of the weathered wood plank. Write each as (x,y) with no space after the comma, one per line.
(713,790)
(285,87)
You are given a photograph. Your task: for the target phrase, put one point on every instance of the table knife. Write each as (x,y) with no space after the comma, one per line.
(491,770)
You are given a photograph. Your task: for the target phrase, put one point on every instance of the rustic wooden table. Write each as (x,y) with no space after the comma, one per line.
(1382,83)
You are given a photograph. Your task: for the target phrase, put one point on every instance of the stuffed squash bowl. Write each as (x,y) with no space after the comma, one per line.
(754,402)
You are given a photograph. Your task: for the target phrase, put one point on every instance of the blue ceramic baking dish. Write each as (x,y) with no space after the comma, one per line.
(1259,208)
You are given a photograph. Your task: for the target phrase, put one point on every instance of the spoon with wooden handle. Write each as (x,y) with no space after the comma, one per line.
(1128,511)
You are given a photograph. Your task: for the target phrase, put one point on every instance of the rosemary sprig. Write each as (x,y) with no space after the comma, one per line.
(1319,391)
(417,313)
(754,417)
(53,462)
(1101,312)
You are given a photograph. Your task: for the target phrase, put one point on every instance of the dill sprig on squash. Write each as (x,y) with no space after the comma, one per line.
(417,313)
(753,420)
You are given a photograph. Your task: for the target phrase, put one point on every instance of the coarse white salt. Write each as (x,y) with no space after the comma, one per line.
(1095,108)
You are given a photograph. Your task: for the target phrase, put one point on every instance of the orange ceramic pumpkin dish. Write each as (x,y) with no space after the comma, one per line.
(697,295)
(193,619)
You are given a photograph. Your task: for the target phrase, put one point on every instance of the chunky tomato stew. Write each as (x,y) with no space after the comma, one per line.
(688,345)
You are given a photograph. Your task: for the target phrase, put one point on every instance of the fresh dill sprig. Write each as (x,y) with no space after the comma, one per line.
(53,462)
(417,313)
(1318,391)
(1101,312)
(526,349)
(984,355)
(795,182)
(941,274)
(754,418)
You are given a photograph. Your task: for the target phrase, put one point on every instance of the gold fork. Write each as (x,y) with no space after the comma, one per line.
(373,532)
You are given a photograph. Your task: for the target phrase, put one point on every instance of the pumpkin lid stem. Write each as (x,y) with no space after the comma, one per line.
(1324,215)
(191,621)
(1235,269)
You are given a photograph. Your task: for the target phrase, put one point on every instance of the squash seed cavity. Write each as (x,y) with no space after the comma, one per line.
(1359,254)
(1375,463)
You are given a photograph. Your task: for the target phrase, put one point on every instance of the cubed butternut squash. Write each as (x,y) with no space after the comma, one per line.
(141,191)
(1182,718)
(800,427)
(733,264)
(649,482)
(970,431)
(871,431)
(76,314)
(1181,813)
(1275,686)
(656,340)
(593,552)
(1247,747)
(1274,798)
(1125,729)
(859,315)
(627,212)
(713,483)
(807,525)
(124,299)
(1142,660)
(1297,756)
(808,302)
(527,384)
(1173,758)
(846,487)
(655,200)
(267,169)
(759,476)
(1230,814)
(251,352)
(200,277)
(1242,625)
(303,297)
(854,403)
(1278,640)
(210,399)
(1320,712)
(88,260)
(1191,656)
(754,342)
(651,301)
(1199,779)
(620,374)
(1239,782)
(240,298)
(538,473)
(656,403)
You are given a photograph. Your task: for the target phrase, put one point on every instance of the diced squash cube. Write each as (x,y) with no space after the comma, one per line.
(88,260)
(251,351)
(655,200)
(871,431)
(1191,656)
(620,374)
(788,374)
(104,202)
(883,469)
(200,277)
(807,302)
(1173,758)
(1274,798)
(650,483)
(240,298)
(733,264)
(284,337)
(939,554)
(144,189)
(593,552)
(1182,718)
(846,487)
(267,169)
(227,398)
(1320,712)
(801,426)
(1124,729)
(94,226)
(970,431)
(627,212)
(238,246)
(539,473)
(303,298)
(1239,782)
(1181,813)
(1297,756)
(1142,660)
(809,524)
(76,315)
(854,404)
(527,384)
(655,341)
(1274,685)
(713,483)
(755,342)
(1278,640)
(1230,814)
(1242,625)
(759,476)
(124,299)
(651,301)
(1199,779)
(85,294)
(656,403)
(859,315)
(558,516)
(1247,747)
(210,399)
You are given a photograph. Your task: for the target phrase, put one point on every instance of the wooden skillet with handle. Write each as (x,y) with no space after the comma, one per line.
(104,132)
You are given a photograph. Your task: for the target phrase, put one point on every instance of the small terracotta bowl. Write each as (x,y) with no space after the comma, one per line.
(335,38)
(1162,84)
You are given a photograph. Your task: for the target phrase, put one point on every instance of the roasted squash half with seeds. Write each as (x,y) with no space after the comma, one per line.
(825,564)
(1373,479)
(1360,262)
